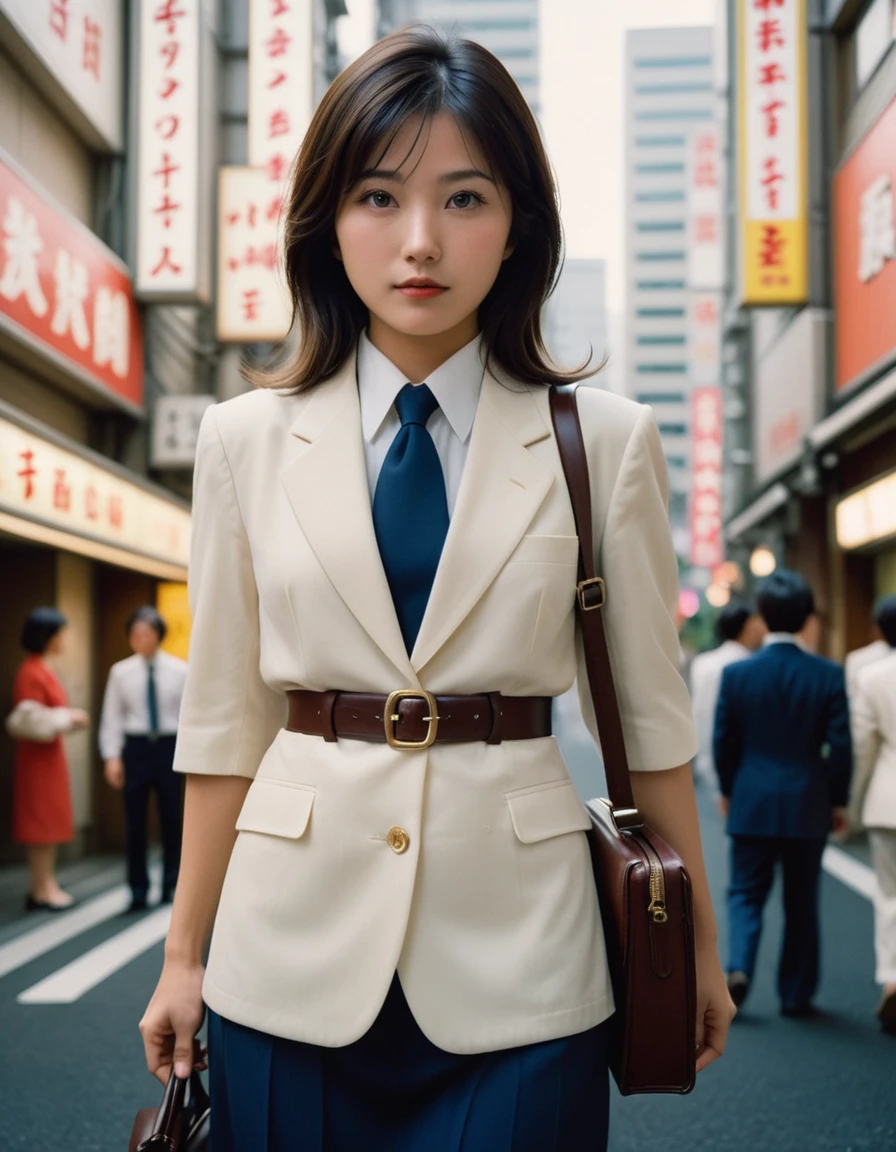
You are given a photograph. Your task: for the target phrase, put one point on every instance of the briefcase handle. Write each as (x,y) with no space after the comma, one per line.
(591,596)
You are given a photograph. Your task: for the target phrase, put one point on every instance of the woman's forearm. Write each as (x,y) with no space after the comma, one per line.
(211,807)
(666,801)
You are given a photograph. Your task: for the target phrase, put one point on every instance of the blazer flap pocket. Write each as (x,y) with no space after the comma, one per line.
(547,550)
(276,808)
(546,810)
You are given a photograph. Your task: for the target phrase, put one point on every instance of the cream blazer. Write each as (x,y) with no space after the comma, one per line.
(873,722)
(490,915)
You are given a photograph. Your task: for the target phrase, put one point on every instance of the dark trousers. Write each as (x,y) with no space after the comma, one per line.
(148,765)
(753,860)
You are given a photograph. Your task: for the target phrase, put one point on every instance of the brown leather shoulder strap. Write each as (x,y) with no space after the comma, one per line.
(591,597)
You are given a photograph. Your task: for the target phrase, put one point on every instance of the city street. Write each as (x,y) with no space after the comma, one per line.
(72,1070)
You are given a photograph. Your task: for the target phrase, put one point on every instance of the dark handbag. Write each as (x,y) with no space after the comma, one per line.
(179,1124)
(643,887)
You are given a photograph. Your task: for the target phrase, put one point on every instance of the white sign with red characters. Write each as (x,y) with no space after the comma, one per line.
(281,92)
(705,224)
(706,495)
(772,37)
(168,211)
(63,292)
(43,482)
(253,302)
(704,339)
(80,43)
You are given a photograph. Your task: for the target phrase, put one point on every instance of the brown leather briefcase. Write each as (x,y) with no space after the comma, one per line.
(642,885)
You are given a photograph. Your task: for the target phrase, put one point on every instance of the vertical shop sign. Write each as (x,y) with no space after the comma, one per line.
(704,339)
(704,193)
(706,494)
(772,130)
(64,294)
(280,82)
(168,220)
(80,43)
(253,303)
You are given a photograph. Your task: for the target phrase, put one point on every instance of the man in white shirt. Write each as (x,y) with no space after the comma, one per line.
(858,660)
(740,629)
(137,734)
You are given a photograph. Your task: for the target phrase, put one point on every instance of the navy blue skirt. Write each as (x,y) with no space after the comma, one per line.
(393,1088)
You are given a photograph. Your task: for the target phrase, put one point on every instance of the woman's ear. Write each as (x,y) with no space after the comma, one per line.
(508,252)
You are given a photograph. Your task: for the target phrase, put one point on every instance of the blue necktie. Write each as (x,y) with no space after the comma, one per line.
(152,703)
(410,510)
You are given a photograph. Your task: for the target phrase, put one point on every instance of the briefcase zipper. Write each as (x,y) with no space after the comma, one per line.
(657,882)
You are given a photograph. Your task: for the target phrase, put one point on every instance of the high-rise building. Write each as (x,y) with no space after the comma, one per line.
(509,28)
(669,92)
(574,320)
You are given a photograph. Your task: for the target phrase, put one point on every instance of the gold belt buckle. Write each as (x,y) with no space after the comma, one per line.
(391,717)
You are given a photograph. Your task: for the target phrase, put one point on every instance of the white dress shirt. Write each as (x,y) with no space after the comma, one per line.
(706,679)
(858,660)
(781,638)
(456,385)
(126,702)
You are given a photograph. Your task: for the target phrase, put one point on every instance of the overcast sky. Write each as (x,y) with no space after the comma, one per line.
(582,66)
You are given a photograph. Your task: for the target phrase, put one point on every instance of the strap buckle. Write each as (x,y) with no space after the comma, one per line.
(591,593)
(391,717)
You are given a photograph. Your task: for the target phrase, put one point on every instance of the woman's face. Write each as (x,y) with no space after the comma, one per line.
(439,217)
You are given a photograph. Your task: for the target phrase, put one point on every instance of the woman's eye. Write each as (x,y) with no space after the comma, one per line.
(378,199)
(465,200)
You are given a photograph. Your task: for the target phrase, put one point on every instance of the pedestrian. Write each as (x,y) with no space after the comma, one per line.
(874,739)
(740,631)
(407,949)
(861,657)
(137,733)
(42,803)
(784,760)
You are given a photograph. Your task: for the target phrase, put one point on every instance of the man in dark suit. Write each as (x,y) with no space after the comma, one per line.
(784,760)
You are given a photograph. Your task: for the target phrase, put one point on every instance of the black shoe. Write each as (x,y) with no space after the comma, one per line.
(32,905)
(138,904)
(738,987)
(799,1011)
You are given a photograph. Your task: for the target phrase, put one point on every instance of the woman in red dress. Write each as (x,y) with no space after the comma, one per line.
(42,804)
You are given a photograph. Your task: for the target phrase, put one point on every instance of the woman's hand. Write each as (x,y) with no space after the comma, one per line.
(172,1019)
(715,1008)
(79,719)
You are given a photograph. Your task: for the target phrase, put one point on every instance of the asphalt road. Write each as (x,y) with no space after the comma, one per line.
(72,1075)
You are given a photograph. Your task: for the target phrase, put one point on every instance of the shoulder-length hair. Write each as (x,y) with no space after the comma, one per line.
(40,626)
(418,73)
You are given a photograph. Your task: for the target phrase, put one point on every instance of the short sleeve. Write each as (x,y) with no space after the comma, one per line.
(637,560)
(229,715)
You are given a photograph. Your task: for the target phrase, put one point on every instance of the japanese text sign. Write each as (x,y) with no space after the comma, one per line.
(706,494)
(168,210)
(80,43)
(41,481)
(253,303)
(704,339)
(705,223)
(773,141)
(865,255)
(280,82)
(63,292)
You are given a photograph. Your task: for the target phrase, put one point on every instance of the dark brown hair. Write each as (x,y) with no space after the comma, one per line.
(417,73)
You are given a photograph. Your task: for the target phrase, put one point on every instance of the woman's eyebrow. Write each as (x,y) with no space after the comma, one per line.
(395,175)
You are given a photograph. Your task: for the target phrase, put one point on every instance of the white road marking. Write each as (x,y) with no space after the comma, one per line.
(64,926)
(849,871)
(71,982)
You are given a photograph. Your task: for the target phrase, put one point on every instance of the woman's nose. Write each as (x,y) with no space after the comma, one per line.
(421,239)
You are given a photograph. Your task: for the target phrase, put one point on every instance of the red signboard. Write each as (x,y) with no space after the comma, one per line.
(62,290)
(706,497)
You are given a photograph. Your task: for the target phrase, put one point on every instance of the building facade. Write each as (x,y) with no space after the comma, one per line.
(574,319)
(669,92)
(508,28)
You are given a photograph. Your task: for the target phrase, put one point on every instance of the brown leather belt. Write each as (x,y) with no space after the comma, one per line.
(413,719)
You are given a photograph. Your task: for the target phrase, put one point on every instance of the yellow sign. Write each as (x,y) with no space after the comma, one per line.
(174,608)
(773,135)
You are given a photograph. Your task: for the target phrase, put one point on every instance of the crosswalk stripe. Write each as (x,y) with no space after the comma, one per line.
(849,871)
(63,927)
(71,982)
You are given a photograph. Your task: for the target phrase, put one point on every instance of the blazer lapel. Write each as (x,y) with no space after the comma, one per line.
(327,487)
(502,488)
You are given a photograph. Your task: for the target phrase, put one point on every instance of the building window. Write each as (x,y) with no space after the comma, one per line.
(660,340)
(658,285)
(668,89)
(659,313)
(660,226)
(673,429)
(660,141)
(680,114)
(659,255)
(661,398)
(677,461)
(659,197)
(655,169)
(500,25)
(650,369)
(674,62)
(873,37)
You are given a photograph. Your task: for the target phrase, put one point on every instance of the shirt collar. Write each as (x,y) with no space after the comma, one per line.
(780,638)
(456,385)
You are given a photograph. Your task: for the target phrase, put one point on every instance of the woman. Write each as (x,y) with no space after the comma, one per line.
(407,948)
(42,805)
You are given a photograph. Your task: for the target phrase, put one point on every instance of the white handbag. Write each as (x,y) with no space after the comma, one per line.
(31,720)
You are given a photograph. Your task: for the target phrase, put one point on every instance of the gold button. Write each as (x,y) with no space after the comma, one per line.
(398,840)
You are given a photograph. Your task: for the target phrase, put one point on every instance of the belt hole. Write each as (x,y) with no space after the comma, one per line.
(475,715)
(354,715)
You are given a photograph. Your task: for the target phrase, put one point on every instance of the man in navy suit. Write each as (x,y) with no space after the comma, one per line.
(784,759)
